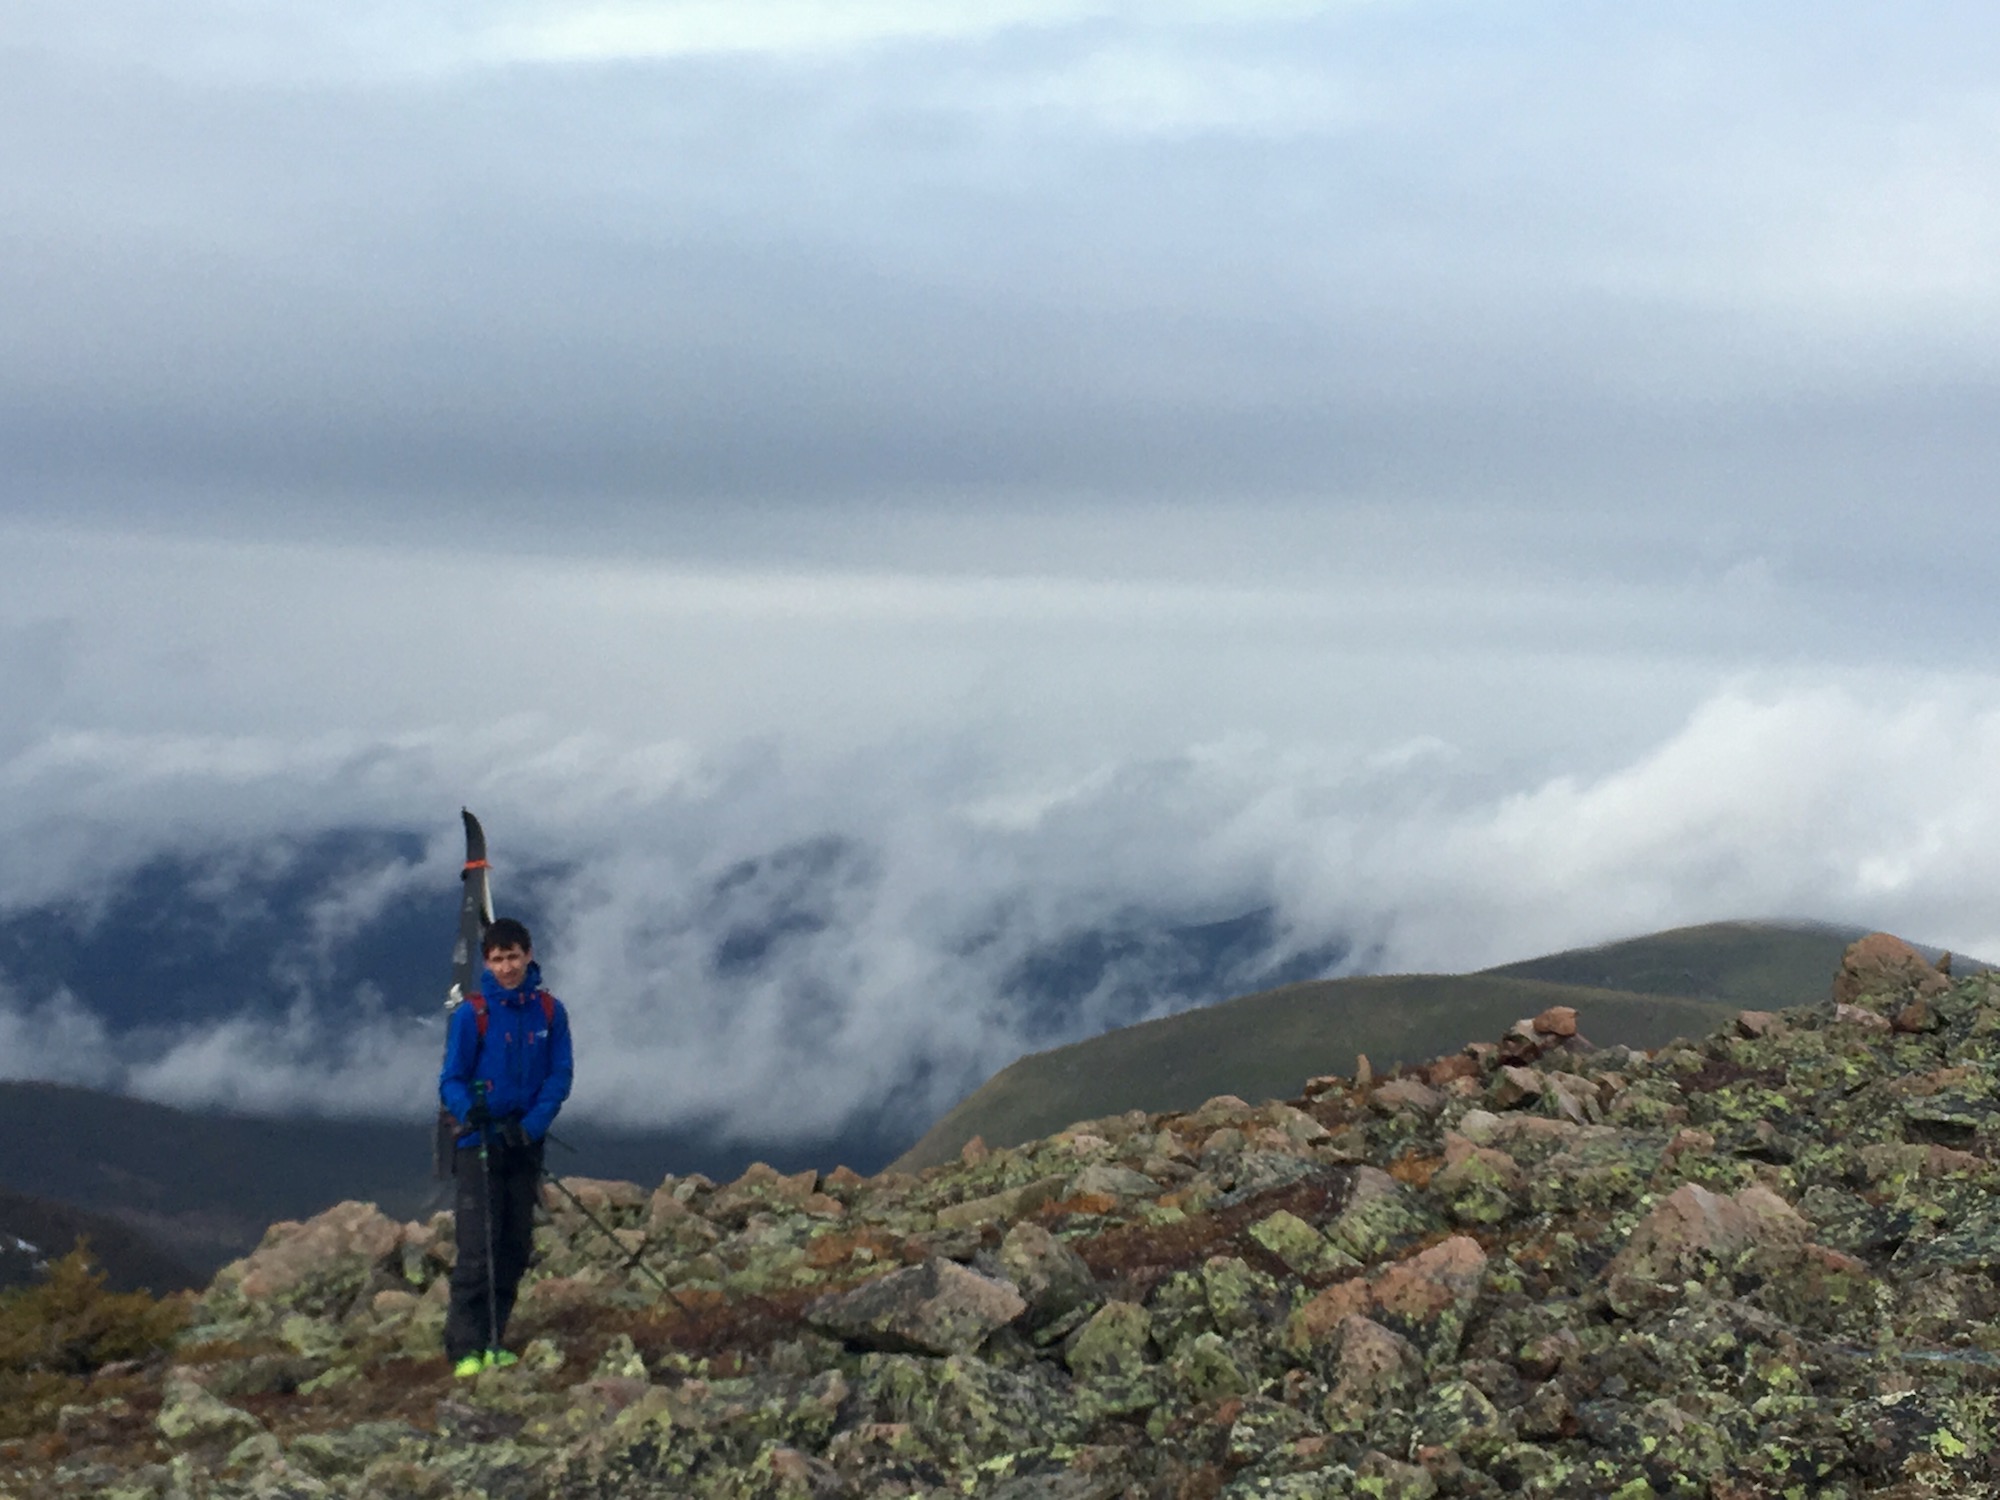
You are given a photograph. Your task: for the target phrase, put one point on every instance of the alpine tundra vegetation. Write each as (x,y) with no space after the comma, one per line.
(1761,1263)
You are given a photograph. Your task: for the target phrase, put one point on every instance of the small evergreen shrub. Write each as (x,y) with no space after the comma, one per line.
(55,1333)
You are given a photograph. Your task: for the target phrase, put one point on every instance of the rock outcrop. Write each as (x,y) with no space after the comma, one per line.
(1761,1263)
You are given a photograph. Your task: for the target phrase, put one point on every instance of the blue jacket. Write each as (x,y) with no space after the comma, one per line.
(525,1059)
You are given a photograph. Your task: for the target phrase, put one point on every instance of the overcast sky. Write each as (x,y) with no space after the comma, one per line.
(1488,477)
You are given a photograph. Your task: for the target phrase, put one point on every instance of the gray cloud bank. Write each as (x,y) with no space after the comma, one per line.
(316,266)
(890,990)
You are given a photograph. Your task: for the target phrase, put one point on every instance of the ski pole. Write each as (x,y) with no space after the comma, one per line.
(632,1257)
(486,1174)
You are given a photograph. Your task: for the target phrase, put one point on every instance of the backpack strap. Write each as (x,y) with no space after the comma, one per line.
(478,1004)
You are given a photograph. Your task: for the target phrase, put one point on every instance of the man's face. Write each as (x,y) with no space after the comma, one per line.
(510,965)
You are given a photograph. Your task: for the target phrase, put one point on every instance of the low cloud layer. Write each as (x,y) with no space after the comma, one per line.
(881,912)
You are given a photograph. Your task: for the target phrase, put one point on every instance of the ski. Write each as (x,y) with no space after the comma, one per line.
(475,912)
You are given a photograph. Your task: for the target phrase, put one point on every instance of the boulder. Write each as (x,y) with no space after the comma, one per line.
(1693,1228)
(1556,1021)
(595,1194)
(938,1307)
(1430,1295)
(341,1245)
(1370,1368)
(1112,1182)
(763,1186)
(1302,1248)
(1400,1094)
(1113,1343)
(1379,1212)
(1514,1086)
(1425,1299)
(191,1414)
(1009,1203)
(1053,1281)
(1478,1184)
(1884,973)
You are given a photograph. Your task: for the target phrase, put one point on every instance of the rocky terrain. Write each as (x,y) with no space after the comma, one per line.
(1762,1263)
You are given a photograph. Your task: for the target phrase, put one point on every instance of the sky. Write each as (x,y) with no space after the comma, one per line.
(1477,480)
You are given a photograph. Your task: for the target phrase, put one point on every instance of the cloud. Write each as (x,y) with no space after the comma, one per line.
(56,1041)
(297,1066)
(785,955)
(1065,254)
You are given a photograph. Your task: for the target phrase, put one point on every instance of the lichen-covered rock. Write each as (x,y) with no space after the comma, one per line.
(1370,1370)
(1381,1477)
(762,1187)
(1425,1298)
(1111,1358)
(1458,1416)
(315,1263)
(1882,973)
(1006,1205)
(1112,1182)
(1478,1184)
(1694,1228)
(1052,1279)
(190,1414)
(1113,1342)
(1380,1212)
(1400,1094)
(597,1195)
(1205,1370)
(935,1308)
(1299,1245)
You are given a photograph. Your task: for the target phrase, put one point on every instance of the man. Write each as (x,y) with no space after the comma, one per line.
(507,1070)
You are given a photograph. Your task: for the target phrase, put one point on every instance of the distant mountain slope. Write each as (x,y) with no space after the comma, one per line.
(34,1230)
(203,1185)
(1265,1046)
(1641,992)
(1754,964)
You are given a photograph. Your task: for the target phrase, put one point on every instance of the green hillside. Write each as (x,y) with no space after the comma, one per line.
(1750,964)
(1640,992)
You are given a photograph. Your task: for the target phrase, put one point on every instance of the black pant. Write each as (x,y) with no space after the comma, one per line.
(514,1177)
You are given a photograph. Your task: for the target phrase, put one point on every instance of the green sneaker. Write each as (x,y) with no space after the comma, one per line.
(499,1359)
(468,1367)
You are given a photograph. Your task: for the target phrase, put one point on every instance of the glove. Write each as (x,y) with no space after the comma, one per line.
(478,1118)
(513,1137)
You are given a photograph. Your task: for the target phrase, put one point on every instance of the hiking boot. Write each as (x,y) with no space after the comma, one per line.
(499,1359)
(468,1367)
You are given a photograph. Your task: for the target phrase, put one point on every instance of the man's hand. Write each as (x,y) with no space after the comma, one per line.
(513,1137)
